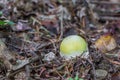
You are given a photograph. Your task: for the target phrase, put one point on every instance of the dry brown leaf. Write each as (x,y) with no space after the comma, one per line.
(115,76)
(106,43)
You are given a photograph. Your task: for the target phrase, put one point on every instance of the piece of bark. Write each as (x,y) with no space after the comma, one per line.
(6,55)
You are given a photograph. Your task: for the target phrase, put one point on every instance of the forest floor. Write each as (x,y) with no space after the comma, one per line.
(31,33)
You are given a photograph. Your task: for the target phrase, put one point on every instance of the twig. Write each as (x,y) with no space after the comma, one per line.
(38,66)
(55,48)
(104,2)
(92,68)
(58,68)
(41,27)
(61,25)
(15,71)
(12,74)
(89,11)
(37,36)
(112,55)
(112,61)
(58,74)
(27,68)
(44,45)
(105,11)
(109,18)
(41,71)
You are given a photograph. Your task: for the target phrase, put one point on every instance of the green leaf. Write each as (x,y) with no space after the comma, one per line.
(1,13)
(60,1)
(70,79)
(2,23)
(76,77)
(9,22)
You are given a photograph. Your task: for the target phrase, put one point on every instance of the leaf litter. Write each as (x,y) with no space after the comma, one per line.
(29,43)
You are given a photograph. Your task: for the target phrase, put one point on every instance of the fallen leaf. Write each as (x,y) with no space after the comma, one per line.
(20,26)
(115,76)
(20,76)
(50,56)
(51,23)
(101,74)
(106,43)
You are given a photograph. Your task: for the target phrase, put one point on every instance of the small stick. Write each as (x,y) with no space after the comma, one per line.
(89,11)
(27,68)
(110,18)
(61,23)
(92,68)
(37,36)
(112,61)
(104,2)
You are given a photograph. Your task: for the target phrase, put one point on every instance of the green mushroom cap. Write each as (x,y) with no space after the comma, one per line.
(73,46)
